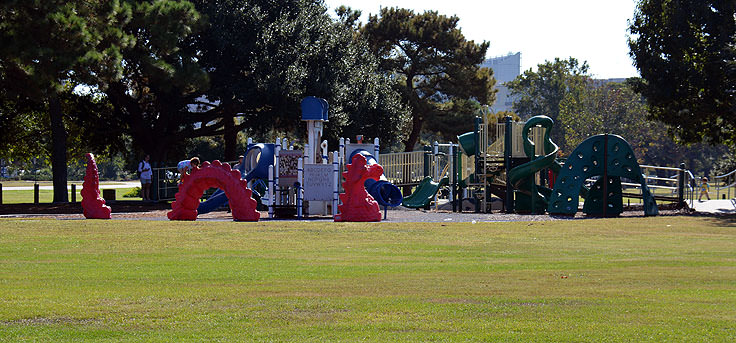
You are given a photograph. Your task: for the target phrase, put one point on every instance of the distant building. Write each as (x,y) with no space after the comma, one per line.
(505,69)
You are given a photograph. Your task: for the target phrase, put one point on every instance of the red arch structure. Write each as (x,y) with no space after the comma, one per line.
(92,203)
(214,175)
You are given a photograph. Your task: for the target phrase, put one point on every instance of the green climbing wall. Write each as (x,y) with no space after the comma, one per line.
(609,154)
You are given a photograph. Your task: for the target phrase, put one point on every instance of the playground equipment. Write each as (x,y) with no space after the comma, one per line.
(611,158)
(357,205)
(216,175)
(92,203)
(383,191)
(256,161)
(304,182)
(424,193)
(530,197)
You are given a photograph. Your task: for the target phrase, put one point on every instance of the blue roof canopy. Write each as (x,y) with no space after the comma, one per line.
(314,108)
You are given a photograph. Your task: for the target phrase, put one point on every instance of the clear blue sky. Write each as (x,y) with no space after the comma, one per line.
(589,30)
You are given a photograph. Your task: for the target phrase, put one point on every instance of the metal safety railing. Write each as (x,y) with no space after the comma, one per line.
(403,168)
(664,188)
(725,183)
(495,142)
(166,181)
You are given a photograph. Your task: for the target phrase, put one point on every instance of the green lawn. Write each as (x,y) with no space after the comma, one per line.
(47,195)
(662,279)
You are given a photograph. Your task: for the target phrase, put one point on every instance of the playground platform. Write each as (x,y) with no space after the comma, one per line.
(715,206)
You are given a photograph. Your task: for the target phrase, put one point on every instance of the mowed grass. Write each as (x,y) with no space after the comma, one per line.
(662,279)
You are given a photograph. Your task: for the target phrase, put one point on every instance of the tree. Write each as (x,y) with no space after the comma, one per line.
(608,108)
(432,61)
(43,44)
(161,78)
(685,53)
(540,92)
(617,109)
(247,64)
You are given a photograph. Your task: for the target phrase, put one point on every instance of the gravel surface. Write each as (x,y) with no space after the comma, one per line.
(158,212)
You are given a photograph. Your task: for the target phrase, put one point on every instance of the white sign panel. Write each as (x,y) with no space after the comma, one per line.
(318,182)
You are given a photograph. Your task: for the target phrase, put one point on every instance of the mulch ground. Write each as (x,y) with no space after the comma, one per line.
(157,211)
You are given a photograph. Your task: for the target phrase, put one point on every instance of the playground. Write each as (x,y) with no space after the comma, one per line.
(492,238)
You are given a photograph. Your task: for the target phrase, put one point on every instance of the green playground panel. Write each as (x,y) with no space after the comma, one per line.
(596,156)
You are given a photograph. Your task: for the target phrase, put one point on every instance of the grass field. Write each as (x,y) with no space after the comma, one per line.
(662,279)
(47,195)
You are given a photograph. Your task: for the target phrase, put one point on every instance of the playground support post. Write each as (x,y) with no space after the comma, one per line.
(436,170)
(270,191)
(427,160)
(335,182)
(681,186)
(325,157)
(299,197)
(605,174)
(276,184)
(306,154)
(507,163)
(453,178)
(376,149)
(341,150)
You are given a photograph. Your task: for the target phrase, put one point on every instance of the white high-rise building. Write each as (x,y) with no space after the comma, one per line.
(505,69)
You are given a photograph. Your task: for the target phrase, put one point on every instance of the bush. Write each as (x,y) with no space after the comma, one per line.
(133,193)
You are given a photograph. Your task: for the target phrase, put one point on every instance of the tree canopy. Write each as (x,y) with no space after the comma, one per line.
(686,54)
(45,44)
(541,92)
(433,63)
(224,66)
(615,108)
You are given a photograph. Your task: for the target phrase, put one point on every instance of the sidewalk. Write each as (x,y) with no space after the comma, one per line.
(714,206)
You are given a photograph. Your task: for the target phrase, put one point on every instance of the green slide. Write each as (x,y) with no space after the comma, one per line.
(529,196)
(424,193)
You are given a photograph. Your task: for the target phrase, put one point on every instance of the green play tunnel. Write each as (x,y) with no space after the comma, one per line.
(467,143)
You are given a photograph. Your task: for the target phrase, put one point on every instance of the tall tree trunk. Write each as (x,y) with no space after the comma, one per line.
(416,128)
(231,137)
(58,150)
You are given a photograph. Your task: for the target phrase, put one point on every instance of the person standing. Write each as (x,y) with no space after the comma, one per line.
(704,189)
(144,168)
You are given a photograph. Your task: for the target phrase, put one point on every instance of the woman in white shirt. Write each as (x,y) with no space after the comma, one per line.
(144,168)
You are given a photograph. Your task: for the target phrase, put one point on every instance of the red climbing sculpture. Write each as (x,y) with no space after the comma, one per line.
(92,203)
(214,175)
(357,204)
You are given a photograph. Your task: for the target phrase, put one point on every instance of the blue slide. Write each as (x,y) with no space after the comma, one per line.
(215,201)
(385,193)
(257,159)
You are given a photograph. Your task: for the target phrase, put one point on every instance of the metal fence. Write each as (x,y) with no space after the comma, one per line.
(403,168)
(724,184)
(166,181)
(663,188)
